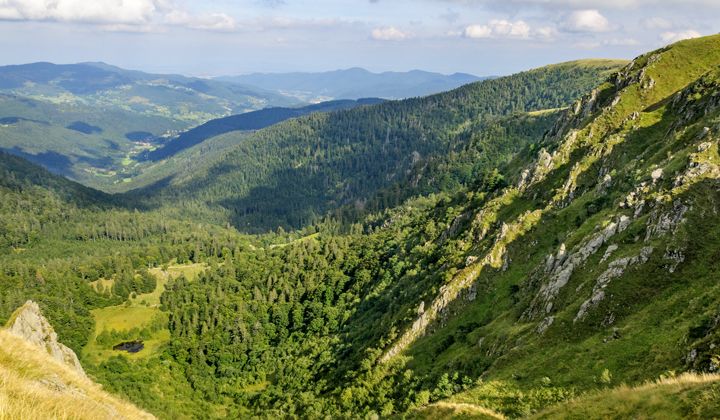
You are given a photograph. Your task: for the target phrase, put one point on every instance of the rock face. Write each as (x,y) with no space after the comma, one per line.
(29,323)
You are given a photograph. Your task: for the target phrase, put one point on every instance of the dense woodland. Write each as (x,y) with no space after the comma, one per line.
(365,221)
(293,173)
(281,320)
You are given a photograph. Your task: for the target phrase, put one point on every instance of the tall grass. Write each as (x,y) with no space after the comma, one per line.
(33,385)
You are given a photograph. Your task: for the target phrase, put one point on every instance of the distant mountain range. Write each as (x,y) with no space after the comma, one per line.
(97,123)
(354,83)
(180,97)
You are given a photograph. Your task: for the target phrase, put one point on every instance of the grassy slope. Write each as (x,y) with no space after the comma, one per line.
(449,410)
(644,327)
(34,385)
(686,396)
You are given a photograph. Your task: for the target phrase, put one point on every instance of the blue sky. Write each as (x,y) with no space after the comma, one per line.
(214,37)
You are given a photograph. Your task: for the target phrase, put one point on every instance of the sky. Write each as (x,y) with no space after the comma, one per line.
(226,37)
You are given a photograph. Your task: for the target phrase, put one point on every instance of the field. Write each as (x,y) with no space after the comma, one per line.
(141,311)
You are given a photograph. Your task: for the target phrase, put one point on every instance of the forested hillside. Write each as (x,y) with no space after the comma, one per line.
(88,121)
(292,173)
(543,244)
(511,298)
(247,121)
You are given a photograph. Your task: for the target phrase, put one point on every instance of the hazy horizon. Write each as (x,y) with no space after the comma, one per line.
(330,70)
(223,37)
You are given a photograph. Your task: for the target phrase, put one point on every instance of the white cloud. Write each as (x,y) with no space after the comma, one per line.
(671,36)
(477,31)
(210,21)
(579,4)
(590,20)
(389,33)
(95,11)
(498,28)
(115,15)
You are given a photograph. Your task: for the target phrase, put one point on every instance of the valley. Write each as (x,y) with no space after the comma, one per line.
(538,245)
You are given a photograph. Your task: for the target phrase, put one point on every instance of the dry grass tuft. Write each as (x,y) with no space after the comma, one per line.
(33,385)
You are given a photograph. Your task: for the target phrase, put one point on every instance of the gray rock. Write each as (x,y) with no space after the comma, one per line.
(545,324)
(470,260)
(675,256)
(608,252)
(564,266)
(656,174)
(29,323)
(660,223)
(615,269)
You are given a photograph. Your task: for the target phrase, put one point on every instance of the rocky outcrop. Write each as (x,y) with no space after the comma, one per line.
(29,323)
(463,284)
(660,223)
(562,266)
(615,269)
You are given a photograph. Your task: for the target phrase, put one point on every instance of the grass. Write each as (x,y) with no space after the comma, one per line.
(34,385)
(641,328)
(445,410)
(686,396)
(304,238)
(137,312)
(106,284)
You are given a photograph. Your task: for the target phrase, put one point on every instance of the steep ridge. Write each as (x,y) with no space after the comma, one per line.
(610,227)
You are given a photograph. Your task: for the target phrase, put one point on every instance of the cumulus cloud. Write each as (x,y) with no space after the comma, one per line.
(590,20)
(498,28)
(671,36)
(114,15)
(505,29)
(389,33)
(96,11)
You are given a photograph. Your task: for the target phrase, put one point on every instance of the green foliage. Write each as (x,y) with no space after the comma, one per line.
(300,323)
(374,157)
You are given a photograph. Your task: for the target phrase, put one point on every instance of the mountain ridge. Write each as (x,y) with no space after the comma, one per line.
(326,150)
(336,84)
(548,238)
